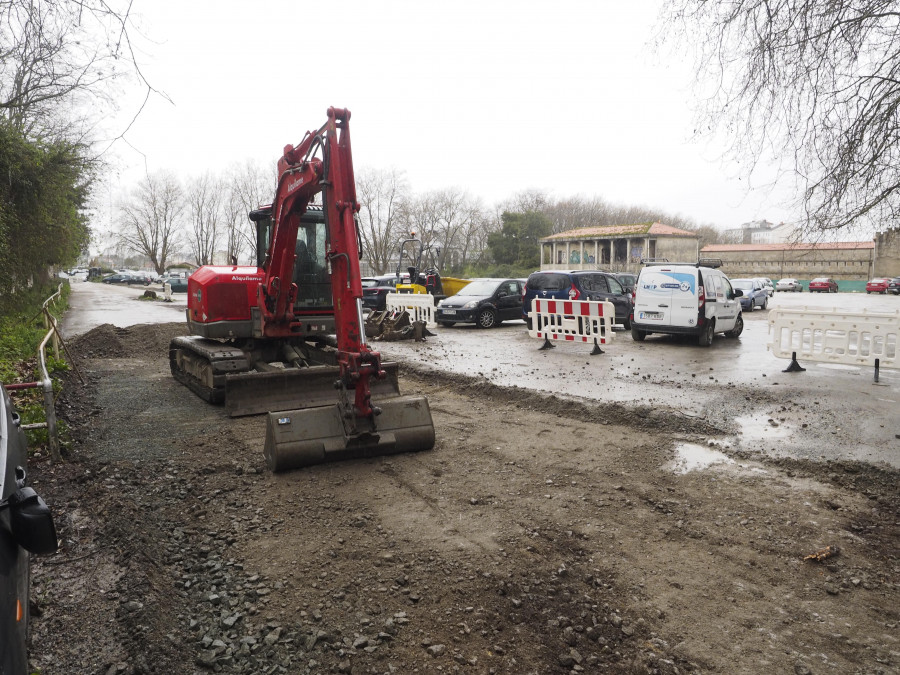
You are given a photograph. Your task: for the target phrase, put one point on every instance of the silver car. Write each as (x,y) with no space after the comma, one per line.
(789,285)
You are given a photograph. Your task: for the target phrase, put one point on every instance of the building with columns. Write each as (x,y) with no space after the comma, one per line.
(617,248)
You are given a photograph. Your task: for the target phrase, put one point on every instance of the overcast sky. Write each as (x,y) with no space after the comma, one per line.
(492,97)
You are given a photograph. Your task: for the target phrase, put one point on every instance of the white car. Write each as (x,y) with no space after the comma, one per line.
(767,284)
(789,285)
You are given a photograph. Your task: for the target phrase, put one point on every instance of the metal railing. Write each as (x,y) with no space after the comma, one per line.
(45,383)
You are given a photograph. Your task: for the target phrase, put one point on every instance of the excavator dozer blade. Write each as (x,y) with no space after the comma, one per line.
(298,438)
(292,388)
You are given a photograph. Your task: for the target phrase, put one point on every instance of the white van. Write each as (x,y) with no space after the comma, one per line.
(685,299)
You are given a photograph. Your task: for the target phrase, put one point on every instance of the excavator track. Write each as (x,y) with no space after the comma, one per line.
(222,373)
(202,365)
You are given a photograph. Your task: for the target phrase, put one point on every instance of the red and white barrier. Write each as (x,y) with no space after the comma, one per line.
(572,320)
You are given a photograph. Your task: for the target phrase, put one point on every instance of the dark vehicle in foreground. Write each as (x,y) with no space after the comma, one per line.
(823,285)
(26,526)
(484,302)
(877,285)
(376,289)
(578,285)
(753,293)
(894,286)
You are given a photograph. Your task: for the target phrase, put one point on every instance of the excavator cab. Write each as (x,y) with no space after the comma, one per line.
(311,264)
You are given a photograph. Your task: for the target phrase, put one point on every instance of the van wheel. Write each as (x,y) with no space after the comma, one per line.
(637,335)
(706,337)
(528,322)
(738,328)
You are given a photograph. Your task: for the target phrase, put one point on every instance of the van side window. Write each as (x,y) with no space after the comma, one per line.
(614,286)
(729,291)
(717,284)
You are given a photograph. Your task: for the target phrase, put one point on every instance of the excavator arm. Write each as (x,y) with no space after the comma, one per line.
(301,176)
(353,427)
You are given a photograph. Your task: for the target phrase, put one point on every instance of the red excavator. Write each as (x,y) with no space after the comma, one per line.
(287,336)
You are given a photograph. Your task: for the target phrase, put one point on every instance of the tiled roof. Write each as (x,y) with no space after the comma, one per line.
(737,248)
(620,230)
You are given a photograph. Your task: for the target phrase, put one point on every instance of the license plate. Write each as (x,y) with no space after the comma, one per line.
(651,315)
(449,311)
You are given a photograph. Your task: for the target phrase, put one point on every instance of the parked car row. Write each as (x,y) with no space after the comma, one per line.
(884,285)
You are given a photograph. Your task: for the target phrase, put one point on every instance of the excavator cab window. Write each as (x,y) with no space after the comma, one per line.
(310,266)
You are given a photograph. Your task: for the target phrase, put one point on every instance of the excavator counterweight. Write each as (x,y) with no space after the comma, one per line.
(287,337)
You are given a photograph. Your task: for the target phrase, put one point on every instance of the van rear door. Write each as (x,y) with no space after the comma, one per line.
(667,296)
(653,297)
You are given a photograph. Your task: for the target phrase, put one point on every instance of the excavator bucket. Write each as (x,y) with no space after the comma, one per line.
(298,438)
(292,388)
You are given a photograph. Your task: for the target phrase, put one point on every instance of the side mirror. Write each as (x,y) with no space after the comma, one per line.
(32,522)
(738,292)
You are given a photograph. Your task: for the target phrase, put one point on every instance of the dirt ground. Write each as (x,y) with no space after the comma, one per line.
(540,535)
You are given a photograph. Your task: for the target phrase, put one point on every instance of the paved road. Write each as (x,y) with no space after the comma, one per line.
(94,304)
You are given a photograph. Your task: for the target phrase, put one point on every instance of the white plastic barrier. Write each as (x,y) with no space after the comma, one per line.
(419,305)
(572,320)
(832,336)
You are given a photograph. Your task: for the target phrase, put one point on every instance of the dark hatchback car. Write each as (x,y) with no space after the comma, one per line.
(894,286)
(375,290)
(578,285)
(25,526)
(484,302)
(130,279)
(176,284)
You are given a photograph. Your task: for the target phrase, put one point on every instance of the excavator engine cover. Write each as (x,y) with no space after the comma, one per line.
(297,438)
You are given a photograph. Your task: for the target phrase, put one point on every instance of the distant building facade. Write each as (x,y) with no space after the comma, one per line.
(617,248)
(762,232)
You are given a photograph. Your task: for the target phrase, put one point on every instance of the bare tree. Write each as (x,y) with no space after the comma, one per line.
(814,84)
(449,221)
(58,56)
(204,203)
(151,219)
(381,194)
(248,186)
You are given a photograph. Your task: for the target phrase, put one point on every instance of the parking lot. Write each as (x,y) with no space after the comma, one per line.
(736,379)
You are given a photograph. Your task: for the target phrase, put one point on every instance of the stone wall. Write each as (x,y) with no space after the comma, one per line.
(851,264)
(887,253)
